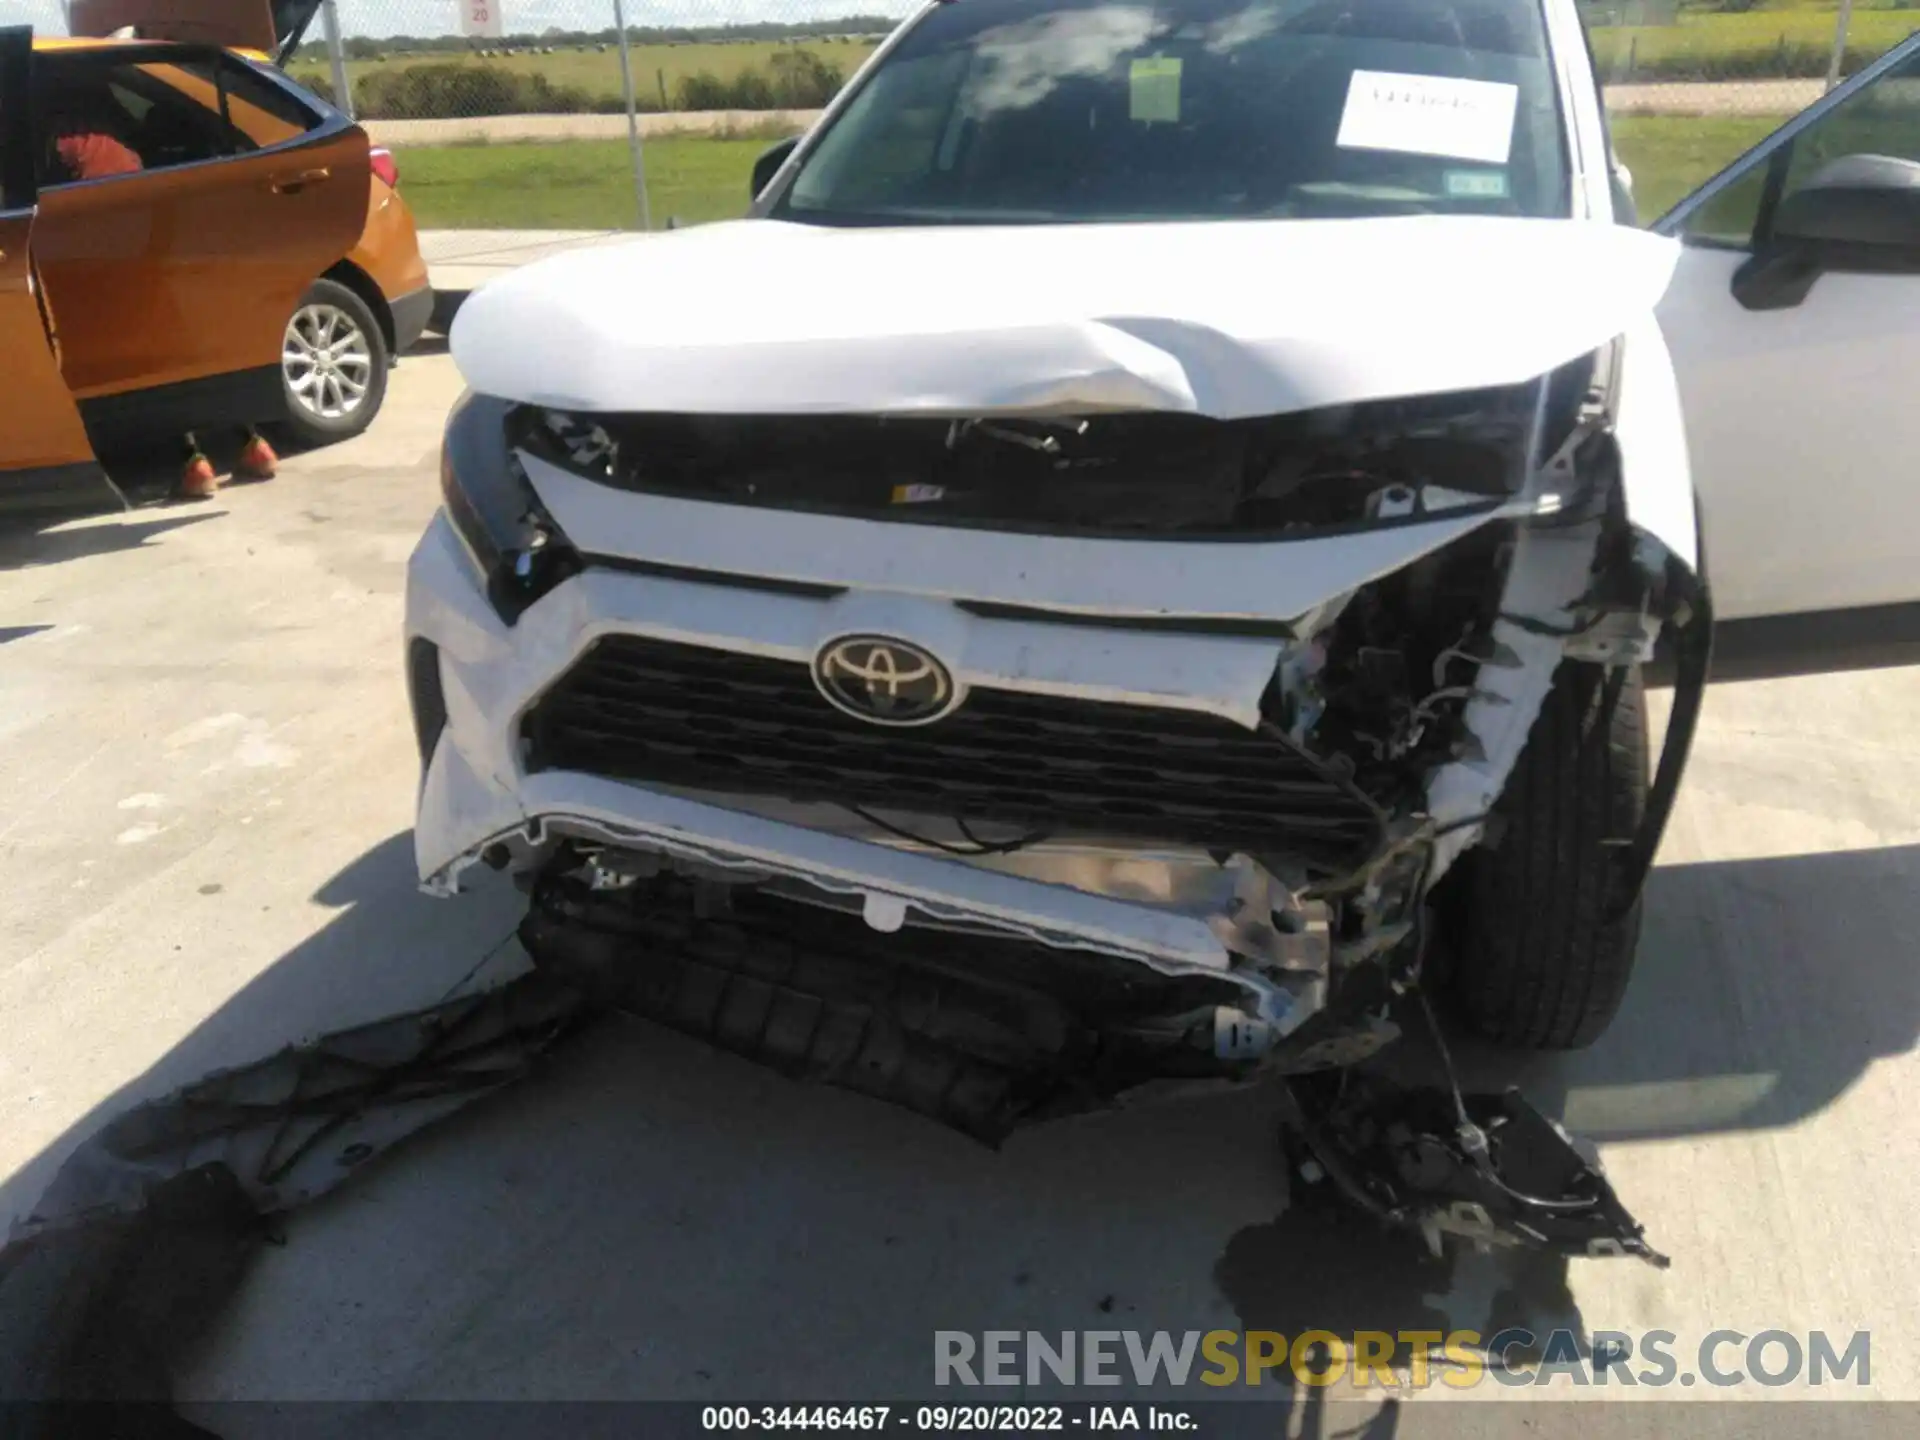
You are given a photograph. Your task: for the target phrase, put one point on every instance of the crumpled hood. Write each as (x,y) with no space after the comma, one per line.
(1226,319)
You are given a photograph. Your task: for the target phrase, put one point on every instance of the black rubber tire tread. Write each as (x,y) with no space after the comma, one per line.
(308,432)
(1538,964)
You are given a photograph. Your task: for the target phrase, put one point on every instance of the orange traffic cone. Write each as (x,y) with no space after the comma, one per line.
(197,480)
(256,460)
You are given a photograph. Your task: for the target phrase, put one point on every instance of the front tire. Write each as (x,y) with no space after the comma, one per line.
(1541,953)
(333,366)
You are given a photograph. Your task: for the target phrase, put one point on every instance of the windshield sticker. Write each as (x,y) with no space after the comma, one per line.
(1476,184)
(1428,115)
(1155,93)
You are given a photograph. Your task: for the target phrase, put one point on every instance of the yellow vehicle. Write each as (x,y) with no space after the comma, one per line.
(241,256)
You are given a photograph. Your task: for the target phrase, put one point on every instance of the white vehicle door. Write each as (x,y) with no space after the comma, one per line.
(1794,321)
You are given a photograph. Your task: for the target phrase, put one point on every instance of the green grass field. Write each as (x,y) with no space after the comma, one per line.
(657,69)
(588,184)
(576,185)
(1670,155)
(1709,43)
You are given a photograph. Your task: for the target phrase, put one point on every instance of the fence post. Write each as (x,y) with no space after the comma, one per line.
(1839,44)
(633,116)
(336,53)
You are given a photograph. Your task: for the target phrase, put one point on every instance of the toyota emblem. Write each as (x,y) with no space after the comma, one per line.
(883,681)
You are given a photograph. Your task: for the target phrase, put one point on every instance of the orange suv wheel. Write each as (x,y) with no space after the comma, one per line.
(333,366)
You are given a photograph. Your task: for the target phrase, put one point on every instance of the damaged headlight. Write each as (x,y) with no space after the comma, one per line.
(520,552)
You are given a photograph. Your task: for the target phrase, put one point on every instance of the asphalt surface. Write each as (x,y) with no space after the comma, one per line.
(208,776)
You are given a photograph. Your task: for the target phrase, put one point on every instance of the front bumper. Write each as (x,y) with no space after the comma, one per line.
(411,313)
(1581,566)
(1156,910)
(1172,912)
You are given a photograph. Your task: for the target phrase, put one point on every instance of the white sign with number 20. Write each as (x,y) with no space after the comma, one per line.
(480,18)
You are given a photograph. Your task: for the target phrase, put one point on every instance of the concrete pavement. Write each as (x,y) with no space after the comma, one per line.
(1714,97)
(208,776)
(503,129)
(461,261)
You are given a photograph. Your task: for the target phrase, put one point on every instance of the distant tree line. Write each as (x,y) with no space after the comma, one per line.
(442,90)
(363,47)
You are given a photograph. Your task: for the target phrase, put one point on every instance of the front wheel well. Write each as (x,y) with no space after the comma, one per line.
(347,273)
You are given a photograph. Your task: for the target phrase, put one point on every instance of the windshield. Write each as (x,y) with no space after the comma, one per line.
(1008,111)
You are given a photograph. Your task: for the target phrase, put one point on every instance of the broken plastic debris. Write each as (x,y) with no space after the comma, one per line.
(885,913)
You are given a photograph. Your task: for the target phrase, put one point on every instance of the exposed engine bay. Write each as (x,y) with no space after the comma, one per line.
(1002,765)
(1123,473)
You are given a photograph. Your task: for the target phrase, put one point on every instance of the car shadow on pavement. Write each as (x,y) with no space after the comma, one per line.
(55,540)
(389,949)
(650,1219)
(145,508)
(1762,991)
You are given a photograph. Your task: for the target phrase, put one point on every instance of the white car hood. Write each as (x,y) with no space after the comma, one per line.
(1225,319)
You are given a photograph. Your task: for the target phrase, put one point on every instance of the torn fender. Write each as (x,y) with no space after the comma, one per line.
(1656,477)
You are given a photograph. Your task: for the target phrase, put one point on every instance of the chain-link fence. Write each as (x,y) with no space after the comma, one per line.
(1691,84)
(531,114)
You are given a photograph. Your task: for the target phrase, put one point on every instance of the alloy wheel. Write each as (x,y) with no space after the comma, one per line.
(327,361)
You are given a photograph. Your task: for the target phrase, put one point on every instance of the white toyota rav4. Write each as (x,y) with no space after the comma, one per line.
(1137,558)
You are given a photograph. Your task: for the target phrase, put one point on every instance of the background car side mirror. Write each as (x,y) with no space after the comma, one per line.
(1626,211)
(767,164)
(1858,213)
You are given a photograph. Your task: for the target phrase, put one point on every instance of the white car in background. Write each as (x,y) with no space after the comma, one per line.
(1139,555)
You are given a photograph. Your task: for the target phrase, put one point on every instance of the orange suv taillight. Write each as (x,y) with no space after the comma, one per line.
(384,165)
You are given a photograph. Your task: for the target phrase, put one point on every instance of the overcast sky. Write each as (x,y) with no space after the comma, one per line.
(441,17)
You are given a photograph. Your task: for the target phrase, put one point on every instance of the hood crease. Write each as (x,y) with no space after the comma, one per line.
(1226,319)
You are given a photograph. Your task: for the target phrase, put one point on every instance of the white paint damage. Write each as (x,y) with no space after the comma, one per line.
(1228,319)
(1276,580)
(1224,320)
(1656,474)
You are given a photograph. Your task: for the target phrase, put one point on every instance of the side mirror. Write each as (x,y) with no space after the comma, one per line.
(767,164)
(1858,213)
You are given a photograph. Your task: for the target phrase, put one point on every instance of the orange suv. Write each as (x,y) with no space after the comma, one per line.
(244,257)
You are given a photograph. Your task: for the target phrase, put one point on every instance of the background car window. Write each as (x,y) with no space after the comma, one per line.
(1727,219)
(1882,119)
(156,116)
(260,112)
(1166,109)
(16,135)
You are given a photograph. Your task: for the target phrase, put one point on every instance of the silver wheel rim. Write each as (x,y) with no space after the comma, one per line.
(327,362)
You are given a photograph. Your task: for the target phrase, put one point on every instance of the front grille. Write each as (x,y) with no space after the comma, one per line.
(690,717)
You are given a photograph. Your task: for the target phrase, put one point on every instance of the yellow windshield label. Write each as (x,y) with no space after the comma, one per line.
(1156,88)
